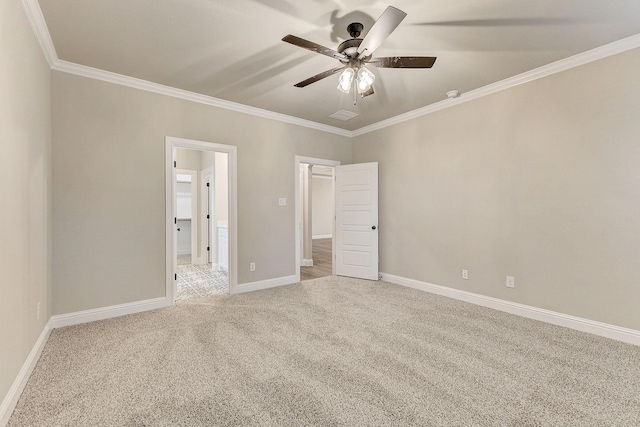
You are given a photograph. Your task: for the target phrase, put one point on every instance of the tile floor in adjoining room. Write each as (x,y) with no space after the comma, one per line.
(198,280)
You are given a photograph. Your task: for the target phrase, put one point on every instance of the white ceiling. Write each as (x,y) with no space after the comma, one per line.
(232,50)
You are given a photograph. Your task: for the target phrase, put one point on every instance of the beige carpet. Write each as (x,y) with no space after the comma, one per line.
(330,352)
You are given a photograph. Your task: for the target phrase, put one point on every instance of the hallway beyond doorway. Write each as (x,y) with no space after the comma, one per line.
(322,260)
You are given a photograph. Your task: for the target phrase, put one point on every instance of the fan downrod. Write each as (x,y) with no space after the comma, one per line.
(354,29)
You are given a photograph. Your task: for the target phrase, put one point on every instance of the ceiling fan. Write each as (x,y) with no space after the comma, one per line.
(356,52)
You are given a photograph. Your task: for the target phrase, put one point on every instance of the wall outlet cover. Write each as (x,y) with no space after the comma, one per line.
(511,282)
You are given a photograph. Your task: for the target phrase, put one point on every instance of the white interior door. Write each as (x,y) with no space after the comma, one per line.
(356,193)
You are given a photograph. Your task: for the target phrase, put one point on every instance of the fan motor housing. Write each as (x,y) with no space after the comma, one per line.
(350,47)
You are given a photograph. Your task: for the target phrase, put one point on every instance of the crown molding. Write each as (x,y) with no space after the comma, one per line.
(36,19)
(583,58)
(40,29)
(39,26)
(107,76)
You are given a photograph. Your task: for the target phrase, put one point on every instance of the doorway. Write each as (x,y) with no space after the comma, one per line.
(315,243)
(201,219)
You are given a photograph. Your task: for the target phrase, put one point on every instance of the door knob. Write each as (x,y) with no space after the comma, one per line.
(373,228)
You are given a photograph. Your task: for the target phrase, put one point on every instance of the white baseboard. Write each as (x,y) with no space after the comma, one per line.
(266,284)
(306,263)
(11,399)
(102,313)
(322,236)
(618,333)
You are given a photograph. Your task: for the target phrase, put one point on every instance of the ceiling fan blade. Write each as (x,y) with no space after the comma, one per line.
(318,77)
(314,47)
(404,62)
(381,29)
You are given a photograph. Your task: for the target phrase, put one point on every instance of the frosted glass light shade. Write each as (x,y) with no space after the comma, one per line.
(345,80)
(365,80)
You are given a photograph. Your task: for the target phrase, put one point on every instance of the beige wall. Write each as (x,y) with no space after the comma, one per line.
(322,206)
(222,186)
(25,177)
(188,159)
(108,168)
(541,182)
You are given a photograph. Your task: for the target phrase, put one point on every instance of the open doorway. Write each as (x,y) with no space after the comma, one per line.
(202,191)
(315,213)
(201,208)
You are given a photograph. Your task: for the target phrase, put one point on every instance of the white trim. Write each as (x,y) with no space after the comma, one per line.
(298,211)
(322,236)
(170,262)
(618,333)
(266,284)
(307,263)
(526,77)
(86,316)
(231,150)
(40,29)
(11,399)
(119,79)
(321,176)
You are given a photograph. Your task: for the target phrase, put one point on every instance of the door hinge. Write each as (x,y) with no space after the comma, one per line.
(207,216)
(175,220)
(175,164)
(208,248)
(207,184)
(175,276)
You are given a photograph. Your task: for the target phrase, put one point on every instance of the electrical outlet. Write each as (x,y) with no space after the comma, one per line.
(252,266)
(38,311)
(511,282)
(282,201)
(465,274)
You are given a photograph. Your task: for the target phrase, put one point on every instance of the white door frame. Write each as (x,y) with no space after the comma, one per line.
(171,143)
(298,221)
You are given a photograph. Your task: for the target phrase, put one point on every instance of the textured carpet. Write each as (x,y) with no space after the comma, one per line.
(330,352)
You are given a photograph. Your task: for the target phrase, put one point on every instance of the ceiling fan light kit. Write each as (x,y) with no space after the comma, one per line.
(345,80)
(364,80)
(354,53)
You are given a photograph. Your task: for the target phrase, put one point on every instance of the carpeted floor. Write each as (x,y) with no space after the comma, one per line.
(330,352)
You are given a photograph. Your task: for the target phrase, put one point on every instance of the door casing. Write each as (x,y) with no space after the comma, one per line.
(298,220)
(171,143)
